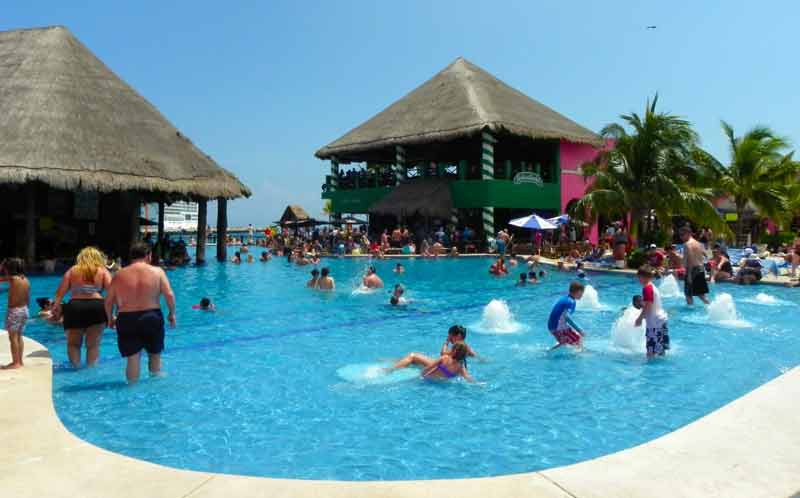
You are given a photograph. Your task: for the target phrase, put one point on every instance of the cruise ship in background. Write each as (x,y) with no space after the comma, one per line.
(179,215)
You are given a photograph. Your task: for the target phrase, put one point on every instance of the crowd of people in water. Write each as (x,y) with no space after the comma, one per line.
(105,294)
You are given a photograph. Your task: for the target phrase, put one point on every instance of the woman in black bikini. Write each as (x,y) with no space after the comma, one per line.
(84,314)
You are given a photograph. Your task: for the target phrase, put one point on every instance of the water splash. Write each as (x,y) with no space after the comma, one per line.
(498,319)
(722,311)
(375,373)
(625,336)
(669,288)
(590,300)
(767,300)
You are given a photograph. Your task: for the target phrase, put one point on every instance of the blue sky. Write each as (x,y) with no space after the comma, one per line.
(261,85)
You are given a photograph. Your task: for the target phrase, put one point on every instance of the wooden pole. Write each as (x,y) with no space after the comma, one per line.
(30,224)
(135,211)
(202,218)
(160,220)
(222,229)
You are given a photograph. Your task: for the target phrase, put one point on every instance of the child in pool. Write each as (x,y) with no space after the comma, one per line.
(532,277)
(397,296)
(19,295)
(399,268)
(654,316)
(205,305)
(561,324)
(523,280)
(456,334)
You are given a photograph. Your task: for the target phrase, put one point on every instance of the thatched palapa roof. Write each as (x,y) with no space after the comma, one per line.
(460,101)
(67,120)
(293,214)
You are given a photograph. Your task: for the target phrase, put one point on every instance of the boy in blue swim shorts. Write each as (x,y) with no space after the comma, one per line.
(561,324)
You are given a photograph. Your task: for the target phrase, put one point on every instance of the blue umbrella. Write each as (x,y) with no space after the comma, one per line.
(532,222)
(559,220)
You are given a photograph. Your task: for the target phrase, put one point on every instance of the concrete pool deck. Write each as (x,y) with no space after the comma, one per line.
(749,448)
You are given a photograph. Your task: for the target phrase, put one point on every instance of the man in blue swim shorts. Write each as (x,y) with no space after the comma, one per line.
(136,293)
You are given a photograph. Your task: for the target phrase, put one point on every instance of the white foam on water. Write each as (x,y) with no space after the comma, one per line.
(590,300)
(722,311)
(363,289)
(498,319)
(669,288)
(627,337)
(375,373)
(767,300)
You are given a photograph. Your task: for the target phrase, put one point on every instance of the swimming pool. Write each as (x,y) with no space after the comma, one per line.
(281,382)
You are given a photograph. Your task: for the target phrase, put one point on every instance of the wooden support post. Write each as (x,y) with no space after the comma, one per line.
(222,229)
(135,213)
(160,220)
(30,224)
(202,223)
(462,169)
(508,169)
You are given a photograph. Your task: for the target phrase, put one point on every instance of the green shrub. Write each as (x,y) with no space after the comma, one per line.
(777,239)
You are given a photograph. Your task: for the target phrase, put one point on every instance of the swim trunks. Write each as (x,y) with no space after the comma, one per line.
(568,336)
(83,313)
(16,318)
(696,284)
(137,330)
(657,340)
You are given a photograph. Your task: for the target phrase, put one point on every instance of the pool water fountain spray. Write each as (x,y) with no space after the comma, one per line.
(498,319)
(722,311)
(625,336)
(590,300)
(669,287)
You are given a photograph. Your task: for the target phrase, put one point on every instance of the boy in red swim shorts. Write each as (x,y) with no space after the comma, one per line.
(561,324)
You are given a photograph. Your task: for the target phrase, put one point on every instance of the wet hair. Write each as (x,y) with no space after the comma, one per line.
(576,287)
(394,300)
(646,271)
(459,351)
(523,276)
(13,266)
(314,272)
(371,269)
(685,230)
(458,330)
(532,275)
(541,273)
(637,302)
(139,250)
(325,271)
(43,302)
(205,302)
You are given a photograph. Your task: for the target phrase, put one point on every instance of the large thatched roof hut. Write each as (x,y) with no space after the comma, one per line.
(484,150)
(82,149)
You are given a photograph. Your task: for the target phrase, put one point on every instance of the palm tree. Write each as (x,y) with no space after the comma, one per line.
(327,208)
(649,172)
(759,173)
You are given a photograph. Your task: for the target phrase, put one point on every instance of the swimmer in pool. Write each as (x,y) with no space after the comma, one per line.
(399,268)
(372,280)
(311,284)
(456,334)
(325,281)
(532,279)
(205,305)
(523,280)
(448,366)
(397,296)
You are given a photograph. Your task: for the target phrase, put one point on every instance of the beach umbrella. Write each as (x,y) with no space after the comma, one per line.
(559,220)
(532,222)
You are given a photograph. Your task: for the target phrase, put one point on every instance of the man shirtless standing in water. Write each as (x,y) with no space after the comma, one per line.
(136,291)
(693,256)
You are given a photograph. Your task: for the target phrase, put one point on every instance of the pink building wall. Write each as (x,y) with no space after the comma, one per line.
(573,185)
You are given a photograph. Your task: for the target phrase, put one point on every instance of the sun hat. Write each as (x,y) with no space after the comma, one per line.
(748,251)
(653,246)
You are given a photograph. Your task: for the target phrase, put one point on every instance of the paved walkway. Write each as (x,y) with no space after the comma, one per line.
(749,448)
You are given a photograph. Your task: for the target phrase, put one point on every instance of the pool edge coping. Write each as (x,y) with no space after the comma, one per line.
(732,451)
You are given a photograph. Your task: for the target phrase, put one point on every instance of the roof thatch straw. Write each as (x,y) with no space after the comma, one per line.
(430,197)
(67,120)
(460,101)
(294,213)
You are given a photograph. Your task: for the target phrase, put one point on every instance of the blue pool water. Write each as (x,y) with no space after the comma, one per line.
(285,382)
